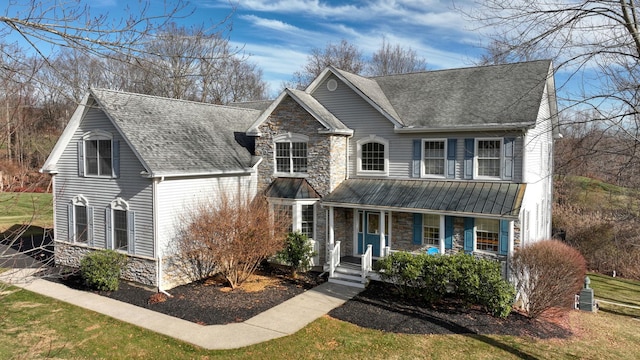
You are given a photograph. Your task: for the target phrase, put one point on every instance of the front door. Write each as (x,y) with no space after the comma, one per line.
(369,231)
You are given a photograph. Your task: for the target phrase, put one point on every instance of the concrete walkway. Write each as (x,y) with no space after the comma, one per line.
(281,320)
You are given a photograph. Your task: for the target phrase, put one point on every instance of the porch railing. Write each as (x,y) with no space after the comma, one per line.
(334,258)
(366,262)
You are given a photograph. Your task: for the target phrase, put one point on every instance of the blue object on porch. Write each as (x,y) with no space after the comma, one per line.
(433,251)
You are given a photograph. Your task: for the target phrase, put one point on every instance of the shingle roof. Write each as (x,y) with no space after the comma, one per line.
(176,137)
(485,95)
(291,188)
(320,112)
(459,197)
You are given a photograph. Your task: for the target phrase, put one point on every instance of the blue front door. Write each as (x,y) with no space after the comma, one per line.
(369,231)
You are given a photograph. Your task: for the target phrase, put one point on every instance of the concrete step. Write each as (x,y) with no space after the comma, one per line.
(348,270)
(347,276)
(341,281)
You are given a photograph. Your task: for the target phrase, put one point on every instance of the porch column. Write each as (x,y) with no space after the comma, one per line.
(511,238)
(381,232)
(331,238)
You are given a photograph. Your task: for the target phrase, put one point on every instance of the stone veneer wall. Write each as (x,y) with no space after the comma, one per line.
(138,269)
(343,229)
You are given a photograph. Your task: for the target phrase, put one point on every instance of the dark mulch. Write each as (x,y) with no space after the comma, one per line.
(211,302)
(380,307)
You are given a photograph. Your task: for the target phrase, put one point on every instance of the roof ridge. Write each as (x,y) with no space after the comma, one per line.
(164,98)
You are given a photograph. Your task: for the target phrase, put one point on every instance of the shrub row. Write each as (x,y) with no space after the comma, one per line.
(474,281)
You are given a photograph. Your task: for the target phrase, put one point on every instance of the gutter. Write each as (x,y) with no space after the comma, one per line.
(482,127)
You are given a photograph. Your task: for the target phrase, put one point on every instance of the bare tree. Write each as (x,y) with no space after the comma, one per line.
(393,59)
(343,55)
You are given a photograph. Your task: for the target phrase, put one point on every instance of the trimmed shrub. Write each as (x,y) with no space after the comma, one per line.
(297,252)
(472,280)
(101,270)
(548,274)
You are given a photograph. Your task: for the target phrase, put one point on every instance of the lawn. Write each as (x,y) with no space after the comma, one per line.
(33,326)
(25,209)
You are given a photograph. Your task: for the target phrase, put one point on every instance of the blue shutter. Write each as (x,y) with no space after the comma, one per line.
(468,235)
(131,226)
(417,229)
(448,232)
(70,223)
(115,148)
(108,241)
(417,157)
(504,237)
(80,158)
(509,156)
(469,149)
(90,225)
(451,158)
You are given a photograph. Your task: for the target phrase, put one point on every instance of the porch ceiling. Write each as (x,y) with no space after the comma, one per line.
(460,197)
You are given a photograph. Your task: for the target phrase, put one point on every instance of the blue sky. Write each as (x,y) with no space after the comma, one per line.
(279,34)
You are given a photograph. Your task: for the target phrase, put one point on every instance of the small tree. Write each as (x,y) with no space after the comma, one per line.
(101,270)
(232,236)
(297,252)
(548,274)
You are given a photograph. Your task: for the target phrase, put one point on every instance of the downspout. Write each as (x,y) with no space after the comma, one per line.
(156,250)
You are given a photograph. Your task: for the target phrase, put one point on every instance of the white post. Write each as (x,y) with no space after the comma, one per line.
(331,227)
(381,232)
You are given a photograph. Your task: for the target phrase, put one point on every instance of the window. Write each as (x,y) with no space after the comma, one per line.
(98,155)
(120,224)
(487,234)
(80,220)
(291,153)
(431,229)
(306,225)
(299,214)
(81,223)
(373,156)
(488,158)
(433,155)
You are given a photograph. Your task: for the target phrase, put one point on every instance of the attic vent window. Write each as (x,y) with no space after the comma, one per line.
(332,85)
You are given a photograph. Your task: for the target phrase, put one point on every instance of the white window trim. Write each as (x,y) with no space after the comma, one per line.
(375,139)
(296,213)
(289,138)
(475,159)
(444,158)
(122,205)
(440,230)
(475,238)
(80,200)
(96,135)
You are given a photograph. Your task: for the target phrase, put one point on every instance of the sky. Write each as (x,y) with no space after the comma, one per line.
(280,34)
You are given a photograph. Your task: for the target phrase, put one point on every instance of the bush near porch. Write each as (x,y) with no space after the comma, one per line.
(463,277)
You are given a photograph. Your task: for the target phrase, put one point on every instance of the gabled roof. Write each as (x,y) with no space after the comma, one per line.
(291,188)
(471,198)
(498,95)
(330,123)
(174,137)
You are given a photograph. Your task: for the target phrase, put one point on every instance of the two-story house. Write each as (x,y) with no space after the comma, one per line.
(439,161)
(450,160)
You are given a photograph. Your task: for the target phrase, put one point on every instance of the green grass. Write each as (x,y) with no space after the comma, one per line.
(616,290)
(25,209)
(34,326)
(592,193)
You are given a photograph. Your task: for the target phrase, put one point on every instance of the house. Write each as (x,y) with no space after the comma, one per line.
(128,168)
(439,161)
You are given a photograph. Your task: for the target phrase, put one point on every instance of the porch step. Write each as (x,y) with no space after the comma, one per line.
(349,269)
(341,281)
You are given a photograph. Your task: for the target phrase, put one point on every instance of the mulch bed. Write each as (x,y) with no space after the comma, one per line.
(379,306)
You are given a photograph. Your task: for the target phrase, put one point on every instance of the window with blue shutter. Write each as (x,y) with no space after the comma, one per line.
(448,232)
(417,157)
(469,149)
(504,237)
(451,158)
(417,229)
(509,158)
(131,224)
(468,235)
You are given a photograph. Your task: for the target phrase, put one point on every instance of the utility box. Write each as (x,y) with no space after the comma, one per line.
(587,301)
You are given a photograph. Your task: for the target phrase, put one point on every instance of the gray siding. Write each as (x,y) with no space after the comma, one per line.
(130,186)
(360,116)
